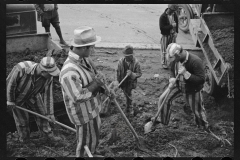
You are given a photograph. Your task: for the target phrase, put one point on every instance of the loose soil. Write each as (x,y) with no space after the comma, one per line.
(222,31)
(181,136)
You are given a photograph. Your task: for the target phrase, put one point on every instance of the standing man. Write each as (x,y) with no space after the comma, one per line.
(128,65)
(81,85)
(48,14)
(168,24)
(190,84)
(29,85)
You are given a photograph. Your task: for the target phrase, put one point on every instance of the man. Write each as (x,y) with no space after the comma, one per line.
(128,65)
(81,85)
(48,14)
(190,83)
(29,85)
(168,24)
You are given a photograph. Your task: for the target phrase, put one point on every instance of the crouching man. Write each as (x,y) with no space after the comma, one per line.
(29,85)
(190,84)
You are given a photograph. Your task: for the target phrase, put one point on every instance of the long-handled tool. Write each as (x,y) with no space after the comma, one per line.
(63,125)
(44,117)
(117,86)
(162,99)
(88,151)
(139,139)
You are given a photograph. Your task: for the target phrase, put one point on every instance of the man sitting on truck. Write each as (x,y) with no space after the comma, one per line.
(48,14)
(168,24)
(190,84)
(29,85)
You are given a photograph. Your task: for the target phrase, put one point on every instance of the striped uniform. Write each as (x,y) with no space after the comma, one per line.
(26,91)
(193,99)
(128,84)
(82,108)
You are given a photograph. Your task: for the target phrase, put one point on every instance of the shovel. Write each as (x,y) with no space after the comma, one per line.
(162,99)
(140,140)
(63,125)
(117,86)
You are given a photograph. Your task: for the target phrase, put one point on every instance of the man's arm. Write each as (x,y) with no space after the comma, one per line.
(12,79)
(198,75)
(137,70)
(48,97)
(72,85)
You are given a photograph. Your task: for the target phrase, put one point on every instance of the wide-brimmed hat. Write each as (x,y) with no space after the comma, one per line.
(84,36)
(128,50)
(173,7)
(48,64)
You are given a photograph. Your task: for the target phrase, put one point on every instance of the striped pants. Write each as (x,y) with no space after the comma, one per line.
(164,42)
(22,119)
(88,134)
(194,100)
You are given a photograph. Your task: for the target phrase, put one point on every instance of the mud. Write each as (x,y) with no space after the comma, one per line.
(117,140)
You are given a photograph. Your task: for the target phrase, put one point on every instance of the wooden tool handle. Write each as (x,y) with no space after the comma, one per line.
(44,117)
(124,116)
(88,151)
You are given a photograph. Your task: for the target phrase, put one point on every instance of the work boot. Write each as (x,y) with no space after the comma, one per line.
(50,136)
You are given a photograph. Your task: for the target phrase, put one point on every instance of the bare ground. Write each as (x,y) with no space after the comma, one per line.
(180,138)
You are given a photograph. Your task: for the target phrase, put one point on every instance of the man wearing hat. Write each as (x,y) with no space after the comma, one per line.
(168,24)
(190,84)
(128,65)
(81,87)
(29,85)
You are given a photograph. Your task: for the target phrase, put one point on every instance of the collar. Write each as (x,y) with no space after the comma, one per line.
(186,57)
(74,56)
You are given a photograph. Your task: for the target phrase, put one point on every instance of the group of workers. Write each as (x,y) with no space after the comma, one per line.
(29,85)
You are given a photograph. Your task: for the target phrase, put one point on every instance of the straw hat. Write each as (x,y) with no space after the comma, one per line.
(84,36)
(128,50)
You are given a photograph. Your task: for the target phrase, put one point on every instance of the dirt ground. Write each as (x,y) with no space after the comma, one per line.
(181,138)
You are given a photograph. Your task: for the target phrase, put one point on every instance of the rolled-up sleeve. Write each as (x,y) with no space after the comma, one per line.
(72,86)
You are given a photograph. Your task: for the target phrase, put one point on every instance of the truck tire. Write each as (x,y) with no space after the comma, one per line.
(210,85)
(185,13)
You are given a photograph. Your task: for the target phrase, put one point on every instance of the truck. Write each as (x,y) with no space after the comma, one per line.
(22,36)
(212,29)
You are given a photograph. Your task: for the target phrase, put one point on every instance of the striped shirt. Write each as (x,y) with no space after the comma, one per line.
(75,75)
(122,68)
(22,86)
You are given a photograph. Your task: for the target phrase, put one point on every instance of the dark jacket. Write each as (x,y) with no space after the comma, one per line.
(194,65)
(165,25)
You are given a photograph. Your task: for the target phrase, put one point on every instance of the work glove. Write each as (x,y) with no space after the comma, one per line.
(171,82)
(100,79)
(94,86)
(51,117)
(111,94)
(182,70)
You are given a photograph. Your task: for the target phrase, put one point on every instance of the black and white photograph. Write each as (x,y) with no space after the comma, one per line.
(119,80)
